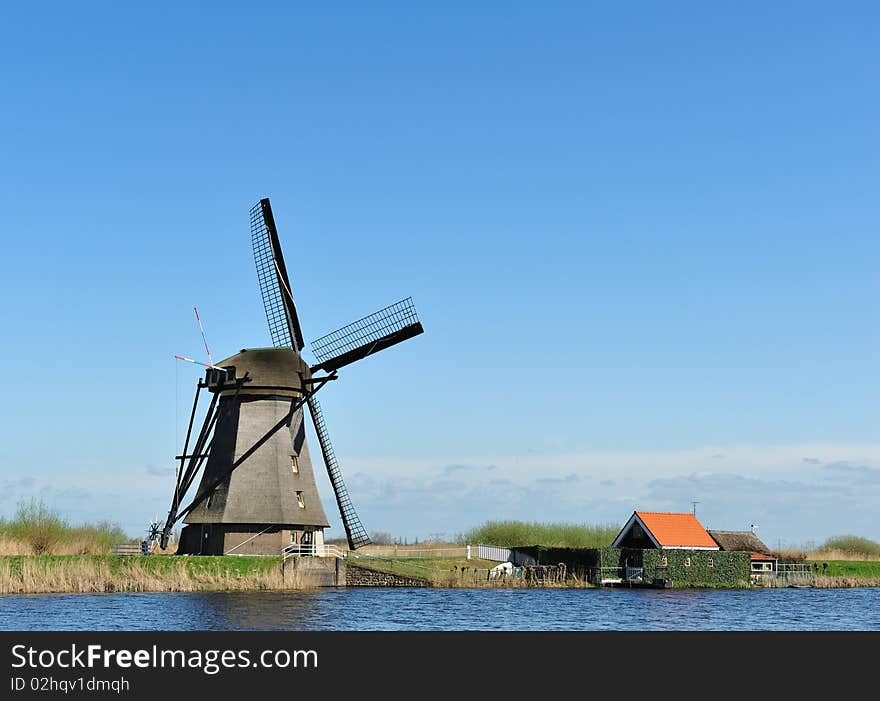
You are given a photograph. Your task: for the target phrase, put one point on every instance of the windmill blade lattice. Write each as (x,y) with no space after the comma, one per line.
(272,275)
(387,327)
(354,531)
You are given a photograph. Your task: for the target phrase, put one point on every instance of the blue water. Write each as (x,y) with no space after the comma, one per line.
(452,609)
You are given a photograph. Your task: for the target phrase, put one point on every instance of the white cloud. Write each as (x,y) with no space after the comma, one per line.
(794,500)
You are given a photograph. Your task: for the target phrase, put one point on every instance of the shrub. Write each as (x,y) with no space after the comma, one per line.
(383,538)
(41,530)
(853,545)
(37,525)
(560,535)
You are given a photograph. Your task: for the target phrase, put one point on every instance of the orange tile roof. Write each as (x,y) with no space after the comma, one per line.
(762,556)
(676,530)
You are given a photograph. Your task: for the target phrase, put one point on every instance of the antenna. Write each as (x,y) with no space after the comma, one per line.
(694,506)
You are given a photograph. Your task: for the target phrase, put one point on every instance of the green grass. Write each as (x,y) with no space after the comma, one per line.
(158,564)
(437,570)
(865,569)
(559,535)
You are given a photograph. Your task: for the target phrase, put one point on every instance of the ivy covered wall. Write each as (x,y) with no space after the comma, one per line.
(697,567)
(686,568)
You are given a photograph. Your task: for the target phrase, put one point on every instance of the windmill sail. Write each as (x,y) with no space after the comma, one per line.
(387,327)
(274,283)
(354,530)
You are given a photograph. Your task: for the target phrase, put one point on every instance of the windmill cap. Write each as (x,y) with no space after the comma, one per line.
(271,371)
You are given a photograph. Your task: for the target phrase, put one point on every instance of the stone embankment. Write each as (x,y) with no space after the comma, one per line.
(365,577)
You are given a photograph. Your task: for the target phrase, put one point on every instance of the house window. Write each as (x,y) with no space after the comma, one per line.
(711,562)
(730,560)
(294,464)
(664,561)
(293,537)
(300,500)
(687,562)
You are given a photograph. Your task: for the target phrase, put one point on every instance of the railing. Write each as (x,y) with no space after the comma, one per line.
(312,550)
(634,574)
(792,573)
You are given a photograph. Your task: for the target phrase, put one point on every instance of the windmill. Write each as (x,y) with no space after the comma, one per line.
(257,491)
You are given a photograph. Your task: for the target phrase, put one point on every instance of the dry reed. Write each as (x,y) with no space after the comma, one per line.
(38,575)
(10,545)
(820,555)
(821,582)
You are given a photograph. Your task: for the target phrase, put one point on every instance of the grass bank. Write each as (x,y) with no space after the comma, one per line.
(439,571)
(455,572)
(40,574)
(452,572)
(850,570)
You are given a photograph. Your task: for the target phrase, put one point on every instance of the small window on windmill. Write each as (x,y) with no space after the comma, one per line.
(209,501)
(294,464)
(300,500)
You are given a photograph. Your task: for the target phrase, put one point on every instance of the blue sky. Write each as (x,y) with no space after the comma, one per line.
(642,241)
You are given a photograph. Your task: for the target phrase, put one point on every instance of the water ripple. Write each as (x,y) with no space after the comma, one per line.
(451,609)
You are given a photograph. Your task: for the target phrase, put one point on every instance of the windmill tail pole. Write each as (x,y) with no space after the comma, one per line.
(207,365)
(204,339)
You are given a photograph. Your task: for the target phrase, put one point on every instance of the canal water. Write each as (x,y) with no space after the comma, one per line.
(452,609)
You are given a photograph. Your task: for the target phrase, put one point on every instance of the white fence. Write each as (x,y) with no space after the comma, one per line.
(401,551)
(494,553)
(142,548)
